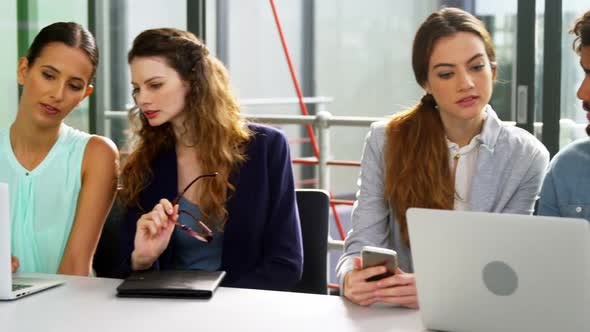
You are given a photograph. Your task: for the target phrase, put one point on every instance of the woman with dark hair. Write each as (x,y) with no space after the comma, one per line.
(61,181)
(194,163)
(567,184)
(450,151)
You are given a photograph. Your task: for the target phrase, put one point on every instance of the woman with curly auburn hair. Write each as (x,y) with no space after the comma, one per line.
(565,189)
(450,151)
(194,163)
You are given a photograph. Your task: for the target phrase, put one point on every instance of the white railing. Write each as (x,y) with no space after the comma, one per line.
(322,122)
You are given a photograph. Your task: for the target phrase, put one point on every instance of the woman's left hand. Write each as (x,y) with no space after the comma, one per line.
(400,289)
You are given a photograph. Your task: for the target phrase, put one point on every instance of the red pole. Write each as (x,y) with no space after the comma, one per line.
(314,143)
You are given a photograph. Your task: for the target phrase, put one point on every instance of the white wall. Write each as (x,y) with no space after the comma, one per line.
(256,60)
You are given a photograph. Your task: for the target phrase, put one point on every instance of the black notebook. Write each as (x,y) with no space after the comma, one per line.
(171,284)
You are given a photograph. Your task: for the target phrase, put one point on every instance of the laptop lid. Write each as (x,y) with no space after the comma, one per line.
(171,283)
(480,271)
(5,264)
(10,288)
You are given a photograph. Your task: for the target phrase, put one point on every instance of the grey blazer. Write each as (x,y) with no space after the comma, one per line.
(510,169)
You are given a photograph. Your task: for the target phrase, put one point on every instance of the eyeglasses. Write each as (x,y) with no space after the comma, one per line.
(206,235)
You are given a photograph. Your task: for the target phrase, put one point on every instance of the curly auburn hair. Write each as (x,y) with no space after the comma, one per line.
(212,119)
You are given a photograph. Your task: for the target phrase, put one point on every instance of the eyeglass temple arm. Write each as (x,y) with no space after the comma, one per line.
(190,184)
(193,233)
(207,229)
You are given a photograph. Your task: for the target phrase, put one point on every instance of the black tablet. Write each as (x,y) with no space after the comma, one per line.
(171,284)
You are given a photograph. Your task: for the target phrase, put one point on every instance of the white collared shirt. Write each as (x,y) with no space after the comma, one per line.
(466,159)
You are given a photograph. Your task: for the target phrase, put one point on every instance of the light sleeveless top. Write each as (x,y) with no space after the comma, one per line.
(43,201)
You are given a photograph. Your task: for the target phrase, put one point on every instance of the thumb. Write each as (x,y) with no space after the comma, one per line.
(357,263)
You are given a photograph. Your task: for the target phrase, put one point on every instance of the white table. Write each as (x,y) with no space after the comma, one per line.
(89,304)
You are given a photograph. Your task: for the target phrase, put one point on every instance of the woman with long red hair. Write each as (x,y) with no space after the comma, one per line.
(450,151)
(204,189)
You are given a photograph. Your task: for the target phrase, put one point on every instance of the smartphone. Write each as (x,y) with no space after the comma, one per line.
(374,256)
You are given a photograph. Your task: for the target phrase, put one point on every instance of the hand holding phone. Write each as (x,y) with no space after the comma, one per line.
(374,256)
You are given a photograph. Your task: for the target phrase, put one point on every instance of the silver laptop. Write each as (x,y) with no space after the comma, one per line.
(500,272)
(10,288)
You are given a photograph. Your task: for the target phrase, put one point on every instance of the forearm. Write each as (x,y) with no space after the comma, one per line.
(141,262)
(345,265)
(523,200)
(77,266)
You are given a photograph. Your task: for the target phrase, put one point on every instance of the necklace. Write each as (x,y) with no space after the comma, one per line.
(455,164)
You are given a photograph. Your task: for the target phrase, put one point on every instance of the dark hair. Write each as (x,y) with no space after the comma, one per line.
(581,30)
(417,164)
(212,120)
(69,33)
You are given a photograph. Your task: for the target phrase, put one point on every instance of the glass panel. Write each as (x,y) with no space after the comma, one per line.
(8,62)
(573,117)
(363,60)
(500,19)
(539,61)
(255,44)
(118,23)
(248,42)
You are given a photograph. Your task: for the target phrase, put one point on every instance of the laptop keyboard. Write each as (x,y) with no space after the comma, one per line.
(16,287)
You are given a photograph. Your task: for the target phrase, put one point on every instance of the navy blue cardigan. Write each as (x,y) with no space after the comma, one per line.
(262,245)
